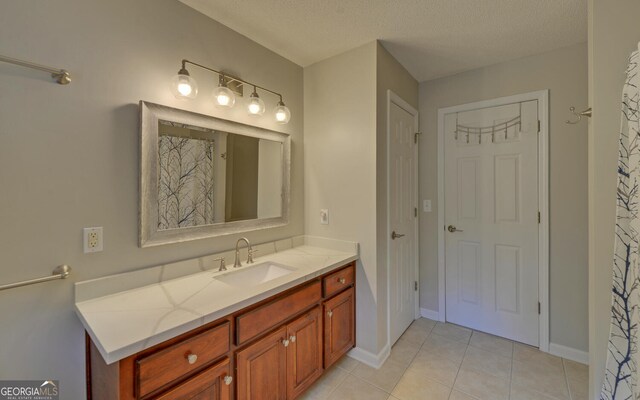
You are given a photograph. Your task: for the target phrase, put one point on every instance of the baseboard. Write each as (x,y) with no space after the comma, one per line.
(370,359)
(569,353)
(431,314)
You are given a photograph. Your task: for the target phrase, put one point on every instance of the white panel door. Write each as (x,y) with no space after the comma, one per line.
(491,220)
(403,221)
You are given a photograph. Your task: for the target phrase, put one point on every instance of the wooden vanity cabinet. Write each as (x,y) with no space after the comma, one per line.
(304,353)
(339,326)
(284,364)
(272,350)
(261,369)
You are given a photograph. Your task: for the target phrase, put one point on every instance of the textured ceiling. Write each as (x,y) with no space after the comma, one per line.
(431,38)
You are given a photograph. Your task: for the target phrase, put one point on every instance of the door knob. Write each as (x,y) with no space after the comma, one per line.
(452,229)
(395,235)
(227,380)
(292,338)
(285,342)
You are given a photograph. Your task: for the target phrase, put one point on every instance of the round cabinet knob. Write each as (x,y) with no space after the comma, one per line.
(342,281)
(292,338)
(330,313)
(192,358)
(227,380)
(285,342)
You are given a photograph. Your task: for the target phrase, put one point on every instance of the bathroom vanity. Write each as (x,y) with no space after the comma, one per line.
(272,327)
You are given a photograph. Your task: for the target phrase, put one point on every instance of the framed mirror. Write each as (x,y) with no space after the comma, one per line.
(202,176)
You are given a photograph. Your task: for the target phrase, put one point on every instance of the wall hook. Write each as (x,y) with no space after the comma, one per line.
(586,113)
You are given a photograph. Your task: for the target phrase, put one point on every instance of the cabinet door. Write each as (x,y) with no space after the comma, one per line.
(339,326)
(262,369)
(304,353)
(211,384)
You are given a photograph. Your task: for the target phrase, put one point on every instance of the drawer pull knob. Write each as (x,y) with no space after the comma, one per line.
(285,342)
(342,280)
(192,358)
(330,313)
(292,338)
(227,380)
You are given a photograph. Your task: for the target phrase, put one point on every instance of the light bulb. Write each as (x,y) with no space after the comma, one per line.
(183,86)
(224,97)
(282,113)
(255,105)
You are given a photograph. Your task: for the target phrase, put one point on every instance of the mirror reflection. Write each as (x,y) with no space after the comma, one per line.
(208,176)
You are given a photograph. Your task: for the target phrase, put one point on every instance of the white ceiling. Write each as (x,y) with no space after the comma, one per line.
(431,38)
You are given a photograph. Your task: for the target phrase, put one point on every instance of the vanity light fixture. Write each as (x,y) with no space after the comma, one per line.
(283,115)
(184,86)
(222,95)
(255,105)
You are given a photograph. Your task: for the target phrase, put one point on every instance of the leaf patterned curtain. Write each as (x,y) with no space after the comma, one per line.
(621,377)
(185,182)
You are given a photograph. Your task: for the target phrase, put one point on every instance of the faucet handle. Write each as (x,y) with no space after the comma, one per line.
(223,266)
(250,255)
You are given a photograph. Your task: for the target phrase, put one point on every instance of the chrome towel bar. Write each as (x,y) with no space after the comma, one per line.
(59,272)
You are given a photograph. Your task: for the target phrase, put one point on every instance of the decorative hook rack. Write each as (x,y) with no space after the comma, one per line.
(578,115)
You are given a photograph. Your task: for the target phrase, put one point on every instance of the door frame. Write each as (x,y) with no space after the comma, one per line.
(393,98)
(542,96)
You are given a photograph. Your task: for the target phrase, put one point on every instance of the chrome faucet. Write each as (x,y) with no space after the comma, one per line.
(237,263)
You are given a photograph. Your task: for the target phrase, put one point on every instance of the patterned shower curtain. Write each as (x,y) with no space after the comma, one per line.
(621,378)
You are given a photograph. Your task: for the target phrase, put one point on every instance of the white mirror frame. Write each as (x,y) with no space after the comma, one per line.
(149,234)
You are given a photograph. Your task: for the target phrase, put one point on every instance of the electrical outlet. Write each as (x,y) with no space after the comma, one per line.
(324,216)
(426,205)
(92,238)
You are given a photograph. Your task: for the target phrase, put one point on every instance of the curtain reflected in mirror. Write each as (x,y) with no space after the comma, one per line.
(210,177)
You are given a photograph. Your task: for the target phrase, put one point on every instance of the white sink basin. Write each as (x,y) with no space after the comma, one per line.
(253,275)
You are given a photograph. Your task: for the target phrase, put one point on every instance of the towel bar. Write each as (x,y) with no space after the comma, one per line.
(59,272)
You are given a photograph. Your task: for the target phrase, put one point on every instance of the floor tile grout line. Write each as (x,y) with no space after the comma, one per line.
(412,358)
(453,386)
(566,379)
(511,371)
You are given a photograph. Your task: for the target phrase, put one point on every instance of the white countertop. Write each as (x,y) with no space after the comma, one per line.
(126,322)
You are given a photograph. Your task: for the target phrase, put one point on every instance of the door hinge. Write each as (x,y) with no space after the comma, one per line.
(539,308)
(538,126)
(415,137)
(539,217)
(415,285)
(415,212)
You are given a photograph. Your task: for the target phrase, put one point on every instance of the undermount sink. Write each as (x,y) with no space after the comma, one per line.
(253,275)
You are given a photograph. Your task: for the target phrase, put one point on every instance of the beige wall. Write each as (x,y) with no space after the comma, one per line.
(69,154)
(613,34)
(390,75)
(345,166)
(564,72)
(340,165)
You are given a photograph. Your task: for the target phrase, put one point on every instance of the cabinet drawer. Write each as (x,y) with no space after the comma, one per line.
(339,280)
(262,319)
(214,383)
(158,369)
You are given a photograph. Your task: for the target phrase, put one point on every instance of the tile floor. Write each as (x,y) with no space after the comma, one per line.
(436,361)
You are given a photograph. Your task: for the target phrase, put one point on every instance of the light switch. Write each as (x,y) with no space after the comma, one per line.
(324,216)
(426,205)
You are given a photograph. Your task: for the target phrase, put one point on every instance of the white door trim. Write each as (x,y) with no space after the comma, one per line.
(397,100)
(543,201)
